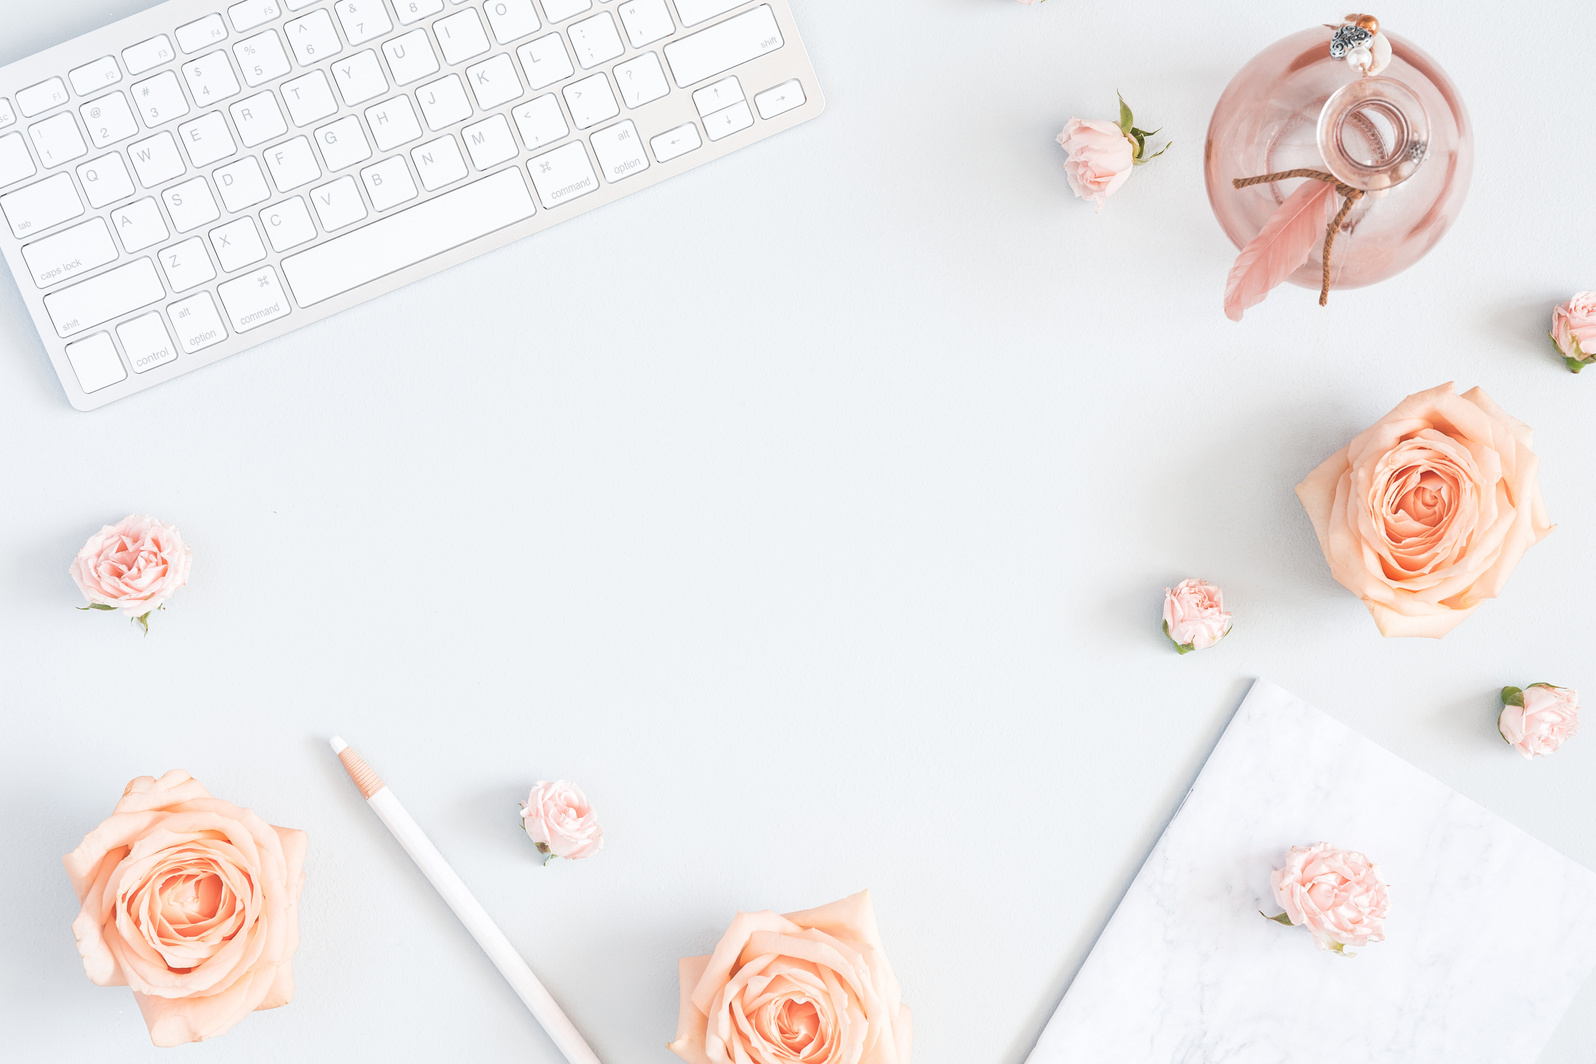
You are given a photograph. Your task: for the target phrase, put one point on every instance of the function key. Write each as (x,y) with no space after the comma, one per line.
(7,115)
(201,34)
(37,99)
(252,13)
(92,77)
(147,55)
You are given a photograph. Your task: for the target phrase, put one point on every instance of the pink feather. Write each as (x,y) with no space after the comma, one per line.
(1283,244)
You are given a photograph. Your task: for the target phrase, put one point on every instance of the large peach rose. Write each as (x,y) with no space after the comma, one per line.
(1425,514)
(806,988)
(192,902)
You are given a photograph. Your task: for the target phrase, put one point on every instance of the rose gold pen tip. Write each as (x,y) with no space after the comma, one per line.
(338,744)
(368,781)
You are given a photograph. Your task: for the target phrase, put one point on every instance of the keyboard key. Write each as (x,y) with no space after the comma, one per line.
(15,161)
(591,101)
(252,13)
(197,323)
(37,99)
(147,55)
(410,57)
(619,150)
(723,93)
(494,83)
(258,119)
(408,237)
(105,181)
(313,38)
(389,183)
(675,143)
(41,206)
(201,34)
(359,77)
(191,205)
(723,46)
(292,164)
(461,37)
(146,342)
(109,119)
(511,19)
(57,140)
(90,78)
(343,143)
(242,184)
(237,244)
(261,58)
(560,10)
(95,362)
(159,99)
(646,21)
(338,204)
(206,139)
(724,123)
(309,98)
(490,142)
(139,225)
(541,122)
(781,99)
(363,20)
(393,123)
(7,115)
(545,61)
(443,102)
(412,11)
(107,297)
(693,12)
(288,224)
(254,300)
(210,79)
(562,174)
(156,160)
(438,163)
(69,253)
(641,80)
(595,40)
(187,265)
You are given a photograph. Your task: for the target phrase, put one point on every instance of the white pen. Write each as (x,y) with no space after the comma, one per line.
(466,907)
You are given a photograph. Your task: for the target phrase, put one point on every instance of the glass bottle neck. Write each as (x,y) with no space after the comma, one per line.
(1373,133)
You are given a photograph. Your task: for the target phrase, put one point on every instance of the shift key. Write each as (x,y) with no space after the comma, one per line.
(723,46)
(104,298)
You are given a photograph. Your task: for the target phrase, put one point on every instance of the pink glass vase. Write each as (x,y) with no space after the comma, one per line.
(1401,135)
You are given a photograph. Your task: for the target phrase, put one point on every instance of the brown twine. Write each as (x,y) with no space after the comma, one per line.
(1352,196)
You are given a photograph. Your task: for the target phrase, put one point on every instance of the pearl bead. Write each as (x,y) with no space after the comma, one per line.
(1360,58)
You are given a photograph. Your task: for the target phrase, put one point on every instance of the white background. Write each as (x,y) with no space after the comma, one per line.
(811,510)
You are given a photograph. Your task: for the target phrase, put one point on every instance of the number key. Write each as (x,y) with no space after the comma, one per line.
(313,38)
(261,58)
(159,99)
(109,119)
(363,20)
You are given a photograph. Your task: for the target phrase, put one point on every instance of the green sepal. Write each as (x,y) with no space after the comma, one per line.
(1140,139)
(1578,360)
(96,606)
(1282,918)
(1513,696)
(1184,648)
(1126,122)
(1574,364)
(143,621)
(1341,948)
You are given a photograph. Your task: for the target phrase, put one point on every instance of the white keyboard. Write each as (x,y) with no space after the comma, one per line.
(208,175)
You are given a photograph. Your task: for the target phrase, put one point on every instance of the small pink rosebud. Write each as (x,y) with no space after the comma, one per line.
(1194,615)
(1574,330)
(1337,894)
(558,818)
(1538,719)
(134,565)
(1100,157)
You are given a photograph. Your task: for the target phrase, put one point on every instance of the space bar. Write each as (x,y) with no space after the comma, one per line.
(409,237)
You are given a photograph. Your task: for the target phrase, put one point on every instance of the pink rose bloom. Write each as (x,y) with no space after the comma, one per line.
(1538,719)
(1425,515)
(1194,615)
(134,565)
(807,988)
(192,902)
(1336,894)
(559,819)
(1574,330)
(1100,157)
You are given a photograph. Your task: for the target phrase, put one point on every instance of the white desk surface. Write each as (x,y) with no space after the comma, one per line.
(811,510)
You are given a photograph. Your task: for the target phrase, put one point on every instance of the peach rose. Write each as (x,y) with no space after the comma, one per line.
(1194,615)
(1538,719)
(134,565)
(1574,330)
(806,988)
(559,819)
(1100,157)
(1424,515)
(192,902)
(1336,894)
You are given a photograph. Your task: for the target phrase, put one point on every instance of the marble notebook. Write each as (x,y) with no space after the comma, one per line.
(1490,935)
